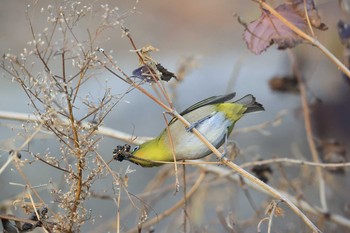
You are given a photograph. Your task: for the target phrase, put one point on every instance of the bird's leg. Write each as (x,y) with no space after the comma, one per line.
(200,121)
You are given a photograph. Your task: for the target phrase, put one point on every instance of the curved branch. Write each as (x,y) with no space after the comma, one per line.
(101,130)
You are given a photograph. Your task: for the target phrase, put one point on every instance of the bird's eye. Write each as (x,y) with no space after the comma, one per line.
(135,148)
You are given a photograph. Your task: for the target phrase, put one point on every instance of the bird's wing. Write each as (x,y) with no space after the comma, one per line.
(249,102)
(207,101)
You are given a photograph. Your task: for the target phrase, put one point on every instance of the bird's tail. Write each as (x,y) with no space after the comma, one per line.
(250,103)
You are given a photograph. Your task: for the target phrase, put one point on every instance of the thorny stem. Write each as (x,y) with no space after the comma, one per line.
(306,37)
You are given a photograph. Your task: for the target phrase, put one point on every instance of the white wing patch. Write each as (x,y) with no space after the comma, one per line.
(213,129)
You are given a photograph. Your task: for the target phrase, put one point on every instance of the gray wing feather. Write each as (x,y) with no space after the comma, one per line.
(208,101)
(251,104)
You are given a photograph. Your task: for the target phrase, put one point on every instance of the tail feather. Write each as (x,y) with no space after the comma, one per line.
(250,103)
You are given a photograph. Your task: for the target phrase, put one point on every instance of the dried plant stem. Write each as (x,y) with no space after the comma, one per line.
(271,216)
(222,172)
(8,162)
(77,151)
(308,129)
(306,37)
(118,210)
(177,183)
(185,197)
(29,139)
(308,19)
(172,209)
(288,161)
(104,131)
(260,223)
(34,208)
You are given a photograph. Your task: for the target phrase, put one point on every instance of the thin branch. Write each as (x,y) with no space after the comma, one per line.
(185,197)
(52,165)
(101,130)
(275,204)
(333,217)
(76,142)
(177,183)
(308,19)
(288,161)
(308,129)
(172,209)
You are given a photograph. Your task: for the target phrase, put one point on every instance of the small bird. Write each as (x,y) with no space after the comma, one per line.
(212,117)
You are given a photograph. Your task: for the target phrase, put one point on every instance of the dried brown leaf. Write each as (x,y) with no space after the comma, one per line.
(300,6)
(273,208)
(268,30)
(145,54)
